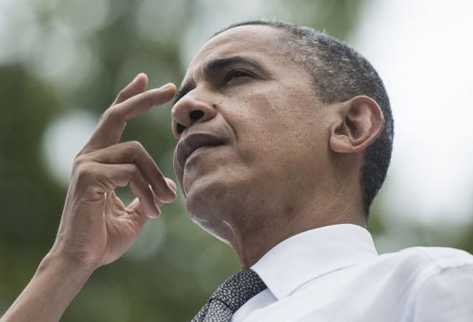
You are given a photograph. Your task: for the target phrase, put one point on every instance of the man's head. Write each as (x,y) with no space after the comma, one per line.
(295,120)
(340,73)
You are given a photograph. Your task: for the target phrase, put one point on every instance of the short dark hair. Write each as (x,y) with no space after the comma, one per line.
(340,73)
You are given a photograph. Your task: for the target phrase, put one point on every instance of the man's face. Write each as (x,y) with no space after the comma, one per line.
(255,113)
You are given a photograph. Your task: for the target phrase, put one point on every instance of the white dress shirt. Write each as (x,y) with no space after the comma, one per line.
(334,273)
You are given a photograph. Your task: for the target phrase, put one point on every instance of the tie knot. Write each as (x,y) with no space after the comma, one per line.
(238,288)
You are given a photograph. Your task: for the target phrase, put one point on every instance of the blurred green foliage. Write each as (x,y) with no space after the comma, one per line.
(174,265)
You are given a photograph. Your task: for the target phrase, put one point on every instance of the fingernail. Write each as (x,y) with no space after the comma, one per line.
(151,210)
(157,204)
(154,213)
(158,212)
(167,87)
(171,185)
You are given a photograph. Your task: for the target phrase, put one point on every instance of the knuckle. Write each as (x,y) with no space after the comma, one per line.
(79,159)
(93,193)
(135,147)
(133,171)
(85,171)
(106,113)
(121,94)
(112,113)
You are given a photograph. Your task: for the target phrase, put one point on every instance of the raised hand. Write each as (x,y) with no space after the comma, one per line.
(96,227)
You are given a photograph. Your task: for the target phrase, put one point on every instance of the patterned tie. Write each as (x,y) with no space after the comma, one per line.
(230,296)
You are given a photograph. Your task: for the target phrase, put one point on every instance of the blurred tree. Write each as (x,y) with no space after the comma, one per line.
(174,265)
(30,199)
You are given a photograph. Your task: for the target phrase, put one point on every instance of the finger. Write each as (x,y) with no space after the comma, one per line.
(145,195)
(122,175)
(111,176)
(113,121)
(144,101)
(136,86)
(134,152)
(171,184)
(137,213)
(133,205)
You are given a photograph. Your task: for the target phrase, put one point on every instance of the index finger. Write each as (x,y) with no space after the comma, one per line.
(113,121)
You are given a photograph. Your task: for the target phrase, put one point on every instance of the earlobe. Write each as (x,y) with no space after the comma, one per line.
(359,122)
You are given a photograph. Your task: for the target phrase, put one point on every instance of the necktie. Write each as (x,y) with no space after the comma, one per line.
(230,296)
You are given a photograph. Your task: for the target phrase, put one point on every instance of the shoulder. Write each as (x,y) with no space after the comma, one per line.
(436,261)
(442,257)
(411,269)
(428,260)
(418,264)
(442,281)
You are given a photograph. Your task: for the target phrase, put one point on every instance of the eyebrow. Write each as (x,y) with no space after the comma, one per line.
(216,65)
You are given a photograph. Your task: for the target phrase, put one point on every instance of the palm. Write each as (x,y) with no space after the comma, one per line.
(121,227)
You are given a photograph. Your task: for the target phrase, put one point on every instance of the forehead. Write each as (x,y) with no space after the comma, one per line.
(262,43)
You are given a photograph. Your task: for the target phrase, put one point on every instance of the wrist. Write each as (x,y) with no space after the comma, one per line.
(57,280)
(63,263)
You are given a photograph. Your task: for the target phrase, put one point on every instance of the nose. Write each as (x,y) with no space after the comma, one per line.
(189,111)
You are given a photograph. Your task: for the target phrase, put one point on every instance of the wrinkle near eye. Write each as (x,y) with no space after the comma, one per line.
(236,76)
(214,72)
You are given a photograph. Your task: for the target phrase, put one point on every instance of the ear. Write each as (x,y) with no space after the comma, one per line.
(358,123)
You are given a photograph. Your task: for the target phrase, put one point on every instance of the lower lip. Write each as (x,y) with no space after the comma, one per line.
(196,153)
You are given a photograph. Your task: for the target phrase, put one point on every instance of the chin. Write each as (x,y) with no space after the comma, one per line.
(205,195)
(222,230)
(211,202)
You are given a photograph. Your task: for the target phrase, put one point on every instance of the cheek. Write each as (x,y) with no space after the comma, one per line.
(278,131)
(259,124)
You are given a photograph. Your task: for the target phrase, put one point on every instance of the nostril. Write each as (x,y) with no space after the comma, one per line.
(196,115)
(180,128)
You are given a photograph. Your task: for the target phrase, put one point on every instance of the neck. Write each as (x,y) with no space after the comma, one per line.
(251,244)
(259,224)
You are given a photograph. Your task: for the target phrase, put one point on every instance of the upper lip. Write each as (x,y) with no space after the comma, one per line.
(192,142)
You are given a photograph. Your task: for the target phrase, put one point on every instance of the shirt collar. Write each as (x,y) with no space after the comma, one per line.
(313,253)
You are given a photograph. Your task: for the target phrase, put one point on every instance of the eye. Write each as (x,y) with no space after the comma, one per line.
(235,75)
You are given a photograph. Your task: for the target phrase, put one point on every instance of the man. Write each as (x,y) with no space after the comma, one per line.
(284,138)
